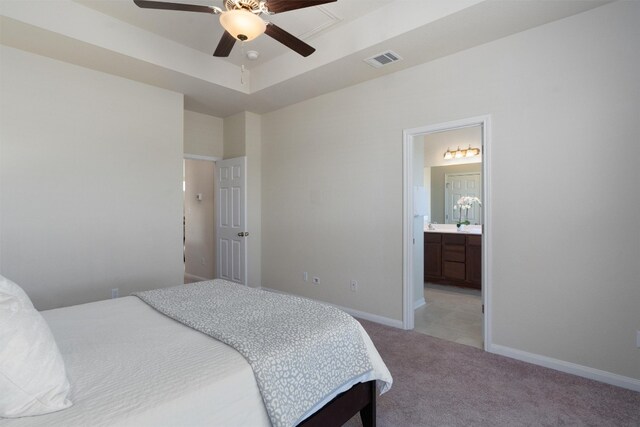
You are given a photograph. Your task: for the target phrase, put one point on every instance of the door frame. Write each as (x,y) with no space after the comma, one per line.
(408,137)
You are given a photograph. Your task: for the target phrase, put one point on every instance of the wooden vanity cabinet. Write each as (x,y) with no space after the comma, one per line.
(432,255)
(474,260)
(454,259)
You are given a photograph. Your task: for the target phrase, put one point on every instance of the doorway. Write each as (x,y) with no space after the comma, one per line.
(199,248)
(458,261)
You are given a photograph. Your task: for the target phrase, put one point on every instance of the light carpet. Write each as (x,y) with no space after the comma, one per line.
(441,383)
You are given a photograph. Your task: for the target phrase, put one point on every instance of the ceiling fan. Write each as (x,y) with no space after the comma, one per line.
(241,20)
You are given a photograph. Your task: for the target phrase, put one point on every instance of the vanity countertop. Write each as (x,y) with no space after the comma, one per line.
(451,228)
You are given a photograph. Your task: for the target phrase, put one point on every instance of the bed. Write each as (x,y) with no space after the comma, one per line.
(130,365)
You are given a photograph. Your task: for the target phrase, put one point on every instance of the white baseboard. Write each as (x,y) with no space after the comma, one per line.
(536,359)
(355,313)
(195,278)
(371,317)
(419,303)
(568,367)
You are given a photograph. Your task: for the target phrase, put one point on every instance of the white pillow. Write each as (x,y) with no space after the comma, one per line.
(33,380)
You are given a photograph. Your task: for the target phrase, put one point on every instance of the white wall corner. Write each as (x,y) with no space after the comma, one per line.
(419,303)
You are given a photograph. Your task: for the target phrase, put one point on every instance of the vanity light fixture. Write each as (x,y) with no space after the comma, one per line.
(458,154)
(472,152)
(448,155)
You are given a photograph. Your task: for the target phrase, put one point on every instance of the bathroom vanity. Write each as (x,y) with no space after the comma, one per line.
(453,258)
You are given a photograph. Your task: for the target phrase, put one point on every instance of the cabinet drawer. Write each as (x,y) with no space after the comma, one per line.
(453,253)
(432,237)
(474,240)
(454,239)
(454,270)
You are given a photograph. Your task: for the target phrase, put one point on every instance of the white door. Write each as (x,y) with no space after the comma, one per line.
(459,185)
(231,220)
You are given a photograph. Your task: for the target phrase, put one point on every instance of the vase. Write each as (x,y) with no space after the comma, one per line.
(462,227)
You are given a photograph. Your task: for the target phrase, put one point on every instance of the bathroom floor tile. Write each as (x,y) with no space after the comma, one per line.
(451,313)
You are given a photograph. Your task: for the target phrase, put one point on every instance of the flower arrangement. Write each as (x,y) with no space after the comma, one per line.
(465,203)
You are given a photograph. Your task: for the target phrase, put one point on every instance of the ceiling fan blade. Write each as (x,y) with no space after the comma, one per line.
(279,6)
(173,6)
(289,40)
(225,45)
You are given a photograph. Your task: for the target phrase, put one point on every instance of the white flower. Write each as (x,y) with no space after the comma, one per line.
(468,201)
(465,203)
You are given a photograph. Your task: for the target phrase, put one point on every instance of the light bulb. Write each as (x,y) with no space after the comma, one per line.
(470,152)
(448,155)
(242,24)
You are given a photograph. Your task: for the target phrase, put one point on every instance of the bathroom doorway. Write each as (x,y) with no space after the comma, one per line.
(446,285)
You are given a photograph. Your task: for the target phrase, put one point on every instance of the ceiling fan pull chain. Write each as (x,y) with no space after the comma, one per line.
(242,67)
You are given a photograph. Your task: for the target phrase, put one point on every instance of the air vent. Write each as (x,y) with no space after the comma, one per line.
(382,59)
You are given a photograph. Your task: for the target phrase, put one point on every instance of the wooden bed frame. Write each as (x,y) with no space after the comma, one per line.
(359,398)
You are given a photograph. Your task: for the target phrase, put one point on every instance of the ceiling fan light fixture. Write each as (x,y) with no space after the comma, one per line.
(242,24)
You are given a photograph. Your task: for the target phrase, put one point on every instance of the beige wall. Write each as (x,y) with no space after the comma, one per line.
(200,253)
(203,135)
(253,147)
(564,286)
(243,137)
(90,181)
(234,136)
(437,186)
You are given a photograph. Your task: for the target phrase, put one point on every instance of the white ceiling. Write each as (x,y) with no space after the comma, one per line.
(202,31)
(173,49)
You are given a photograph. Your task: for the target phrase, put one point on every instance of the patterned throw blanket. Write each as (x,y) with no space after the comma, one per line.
(300,351)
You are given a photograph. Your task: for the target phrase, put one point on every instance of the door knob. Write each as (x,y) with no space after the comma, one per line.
(243,234)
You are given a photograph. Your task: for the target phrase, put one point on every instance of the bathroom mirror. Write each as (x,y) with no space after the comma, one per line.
(446,180)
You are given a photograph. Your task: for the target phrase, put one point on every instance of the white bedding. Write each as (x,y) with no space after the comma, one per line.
(129,365)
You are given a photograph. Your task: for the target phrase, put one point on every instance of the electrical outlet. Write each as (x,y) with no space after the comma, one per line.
(114,293)
(305,276)
(316,280)
(202,260)
(354,285)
